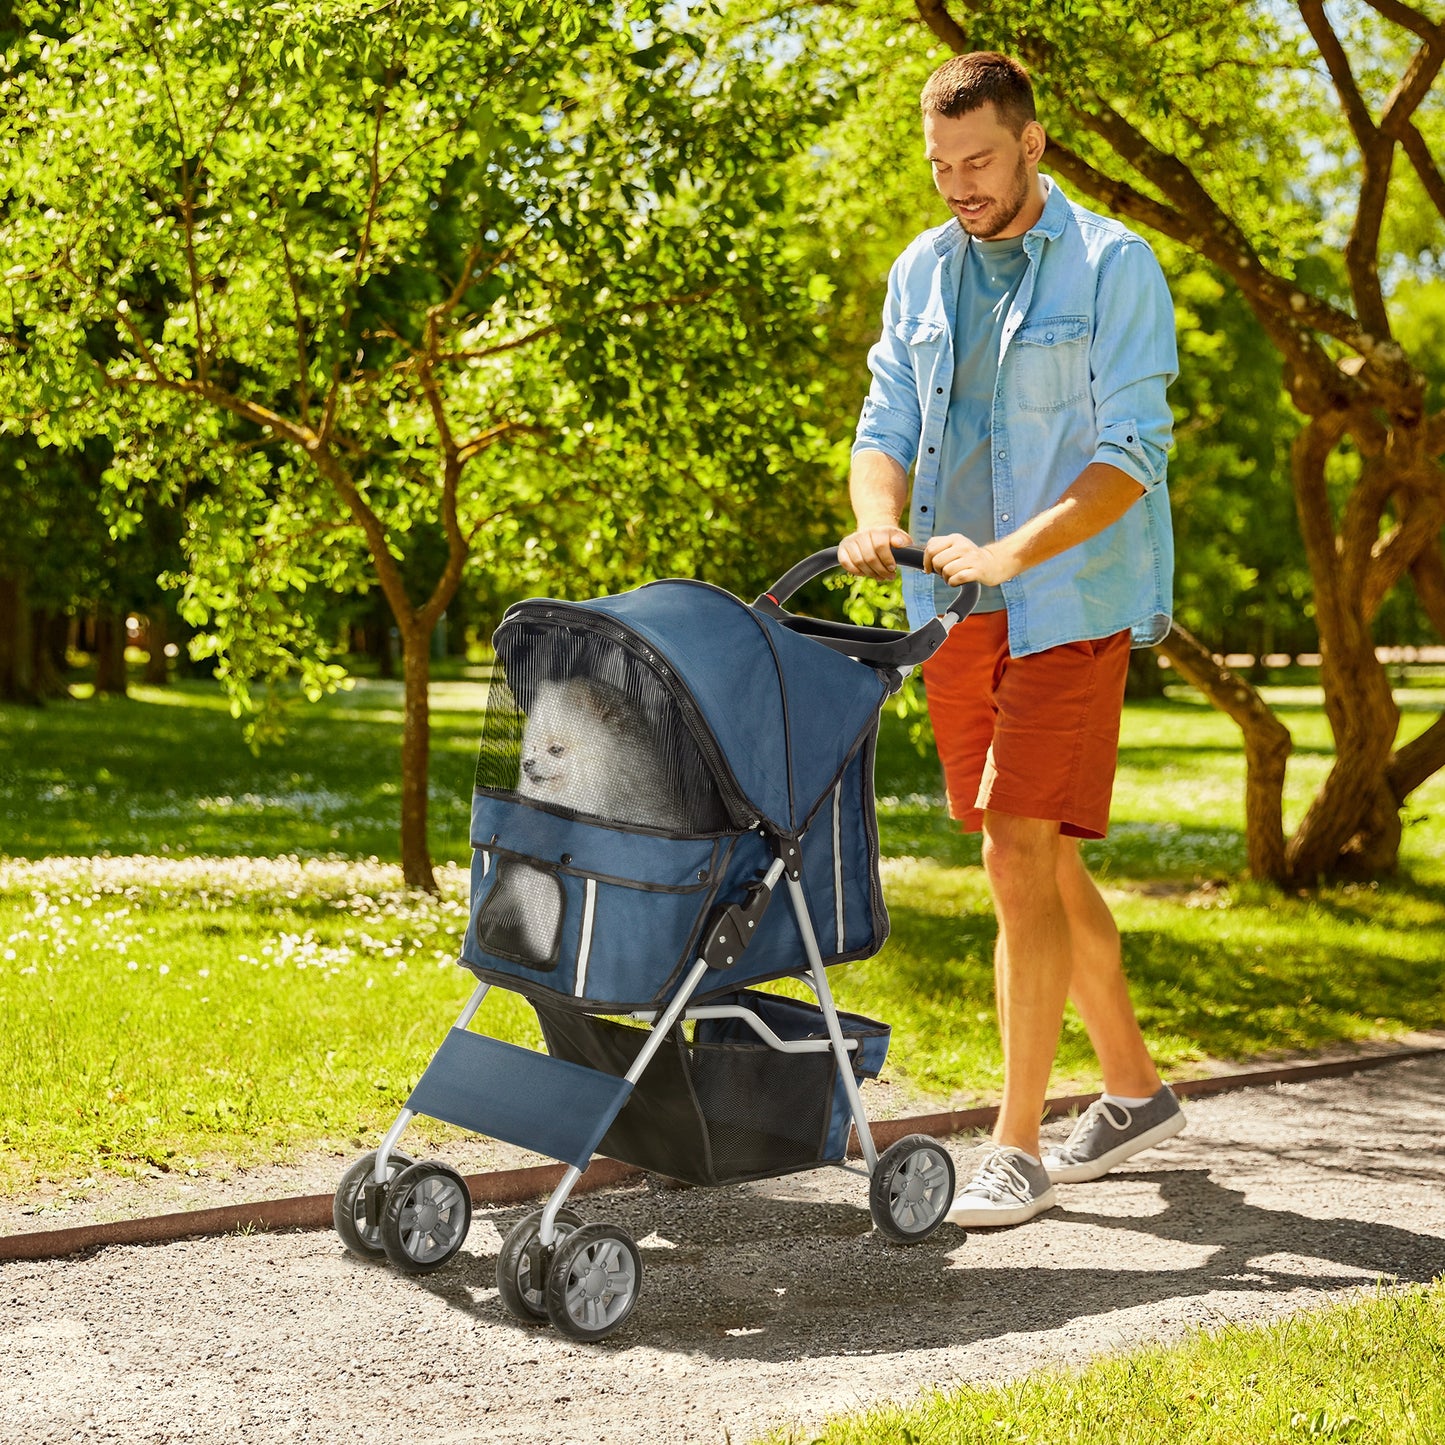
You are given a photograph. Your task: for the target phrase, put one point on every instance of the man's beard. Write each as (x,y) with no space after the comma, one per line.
(1000,215)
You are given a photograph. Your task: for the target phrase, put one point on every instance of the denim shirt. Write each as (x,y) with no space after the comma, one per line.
(1087,353)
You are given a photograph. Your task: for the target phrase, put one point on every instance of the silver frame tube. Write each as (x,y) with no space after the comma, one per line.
(830,1017)
(393,1135)
(546,1230)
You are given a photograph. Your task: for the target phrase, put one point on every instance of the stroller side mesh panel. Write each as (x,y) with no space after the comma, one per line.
(582,725)
(724,1107)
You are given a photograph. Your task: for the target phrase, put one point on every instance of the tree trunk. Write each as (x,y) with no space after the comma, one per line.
(1350,820)
(158,633)
(110,678)
(416,865)
(1146,678)
(48,631)
(1267,746)
(17,683)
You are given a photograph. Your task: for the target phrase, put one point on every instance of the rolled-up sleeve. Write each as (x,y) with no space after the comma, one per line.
(1132,360)
(891,419)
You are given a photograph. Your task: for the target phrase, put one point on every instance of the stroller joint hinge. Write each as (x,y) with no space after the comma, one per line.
(732,927)
(790,854)
(375,1196)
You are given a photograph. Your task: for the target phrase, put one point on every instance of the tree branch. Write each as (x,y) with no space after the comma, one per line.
(1419,760)
(1267,746)
(1362,250)
(934,14)
(1420,509)
(1409,18)
(1415,148)
(303,364)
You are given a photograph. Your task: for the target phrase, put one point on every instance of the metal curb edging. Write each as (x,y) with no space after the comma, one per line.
(516,1186)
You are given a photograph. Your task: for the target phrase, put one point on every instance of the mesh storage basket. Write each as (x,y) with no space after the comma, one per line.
(726,1106)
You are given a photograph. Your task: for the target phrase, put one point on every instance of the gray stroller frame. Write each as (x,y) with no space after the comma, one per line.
(586,1278)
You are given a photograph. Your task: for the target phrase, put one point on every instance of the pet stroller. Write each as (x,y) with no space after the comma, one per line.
(639,946)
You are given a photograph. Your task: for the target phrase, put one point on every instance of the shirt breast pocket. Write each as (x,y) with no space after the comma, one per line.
(1051,363)
(918,331)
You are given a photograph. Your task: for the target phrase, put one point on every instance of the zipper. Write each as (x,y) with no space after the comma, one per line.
(740,810)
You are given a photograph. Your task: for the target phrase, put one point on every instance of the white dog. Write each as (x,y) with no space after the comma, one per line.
(587,748)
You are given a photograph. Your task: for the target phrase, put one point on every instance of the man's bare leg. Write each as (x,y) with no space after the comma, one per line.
(1097,986)
(1033,965)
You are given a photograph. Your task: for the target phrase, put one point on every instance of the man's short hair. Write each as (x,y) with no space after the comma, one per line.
(966,82)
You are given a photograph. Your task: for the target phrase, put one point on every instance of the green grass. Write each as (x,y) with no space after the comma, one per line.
(1368,1371)
(244,975)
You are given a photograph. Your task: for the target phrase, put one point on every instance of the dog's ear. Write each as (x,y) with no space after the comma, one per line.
(605,706)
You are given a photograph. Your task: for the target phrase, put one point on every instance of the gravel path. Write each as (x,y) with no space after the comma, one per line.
(764,1305)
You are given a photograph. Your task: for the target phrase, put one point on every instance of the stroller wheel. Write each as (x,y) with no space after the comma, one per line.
(428,1211)
(348,1209)
(594,1281)
(521,1270)
(911,1189)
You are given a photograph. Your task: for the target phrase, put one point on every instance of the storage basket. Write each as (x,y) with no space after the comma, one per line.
(726,1106)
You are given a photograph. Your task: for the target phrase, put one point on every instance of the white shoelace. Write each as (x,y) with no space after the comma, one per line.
(1099,1109)
(998,1178)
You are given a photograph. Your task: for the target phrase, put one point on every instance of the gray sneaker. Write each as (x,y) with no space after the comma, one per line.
(1109,1133)
(1007,1188)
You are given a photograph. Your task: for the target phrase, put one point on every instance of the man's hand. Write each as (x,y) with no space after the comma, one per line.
(868,552)
(957,560)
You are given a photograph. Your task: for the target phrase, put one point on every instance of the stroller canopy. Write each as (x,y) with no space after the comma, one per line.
(783,713)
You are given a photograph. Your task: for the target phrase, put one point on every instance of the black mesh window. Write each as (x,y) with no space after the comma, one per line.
(575,722)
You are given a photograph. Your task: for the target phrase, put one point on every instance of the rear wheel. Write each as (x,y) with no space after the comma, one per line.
(348,1209)
(427,1215)
(911,1189)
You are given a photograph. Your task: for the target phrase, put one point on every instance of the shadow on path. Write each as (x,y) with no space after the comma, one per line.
(745,1274)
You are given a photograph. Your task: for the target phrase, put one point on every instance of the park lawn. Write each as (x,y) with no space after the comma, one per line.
(1368,1370)
(260,982)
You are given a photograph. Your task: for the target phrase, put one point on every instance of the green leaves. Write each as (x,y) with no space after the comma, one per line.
(305,263)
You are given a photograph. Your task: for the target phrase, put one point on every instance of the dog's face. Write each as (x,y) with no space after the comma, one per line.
(551,741)
(570,733)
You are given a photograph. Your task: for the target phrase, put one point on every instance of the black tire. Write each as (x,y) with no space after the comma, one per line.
(911,1189)
(427,1215)
(348,1208)
(522,1295)
(594,1281)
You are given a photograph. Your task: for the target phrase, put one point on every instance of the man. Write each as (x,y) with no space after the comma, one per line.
(1026,348)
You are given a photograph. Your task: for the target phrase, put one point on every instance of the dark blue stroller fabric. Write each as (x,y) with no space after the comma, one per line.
(777,728)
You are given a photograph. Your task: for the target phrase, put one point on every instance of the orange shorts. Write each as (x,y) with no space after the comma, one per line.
(1036,736)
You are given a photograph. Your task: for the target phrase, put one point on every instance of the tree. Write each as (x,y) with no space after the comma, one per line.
(1227,142)
(385,277)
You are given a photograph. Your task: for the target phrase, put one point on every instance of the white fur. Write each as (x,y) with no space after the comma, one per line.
(587,747)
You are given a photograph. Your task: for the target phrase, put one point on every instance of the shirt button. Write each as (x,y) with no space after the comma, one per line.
(1002,456)
(923,509)
(1049,336)
(1128,439)
(1003,517)
(930,451)
(939,390)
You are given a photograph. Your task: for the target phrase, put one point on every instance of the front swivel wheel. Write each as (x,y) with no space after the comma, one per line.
(348,1208)
(427,1215)
(522,1263)
(911,1189)
(594,1281)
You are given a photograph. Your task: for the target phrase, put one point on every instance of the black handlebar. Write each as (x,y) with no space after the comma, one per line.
(879,645)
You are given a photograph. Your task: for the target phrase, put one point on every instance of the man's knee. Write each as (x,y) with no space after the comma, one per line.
(1020,856)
